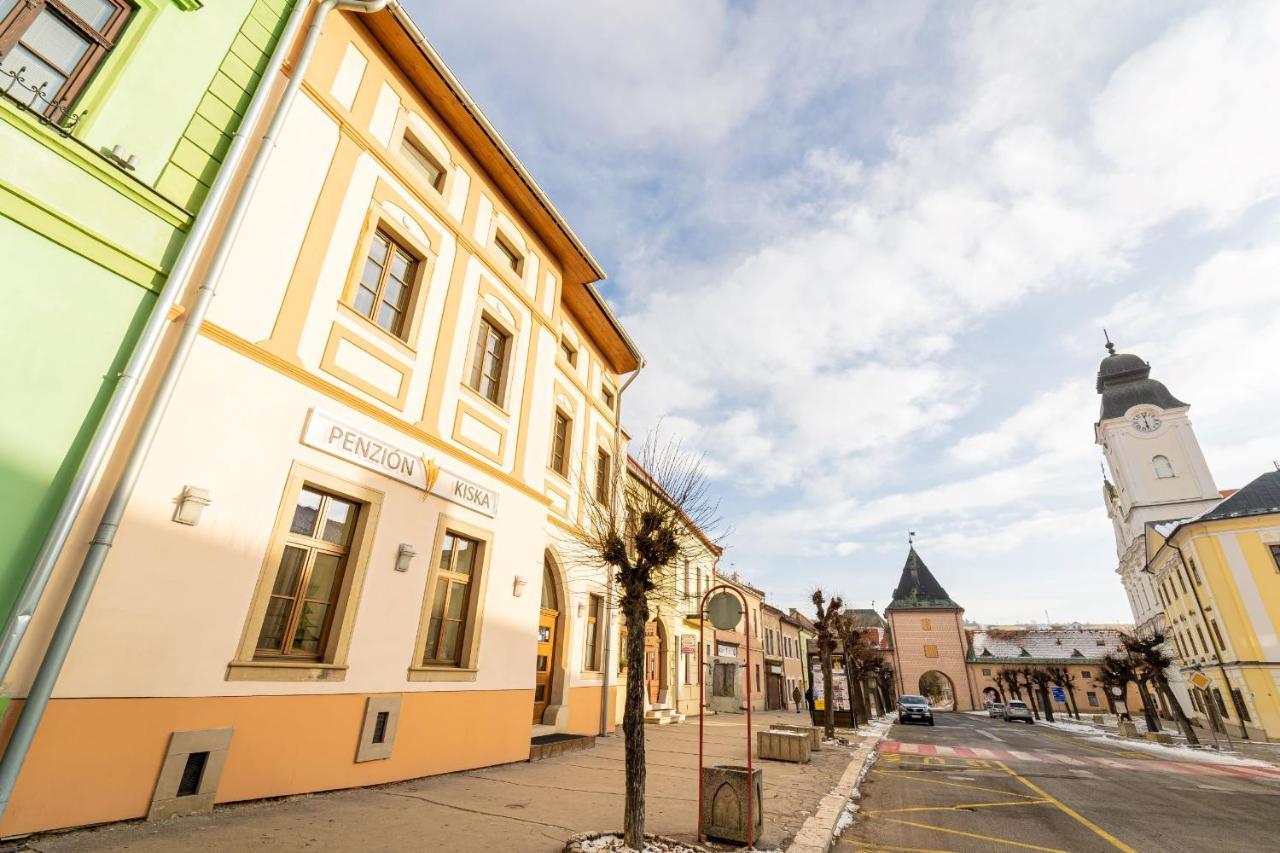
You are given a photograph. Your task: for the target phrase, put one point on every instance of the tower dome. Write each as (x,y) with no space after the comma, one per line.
(1124,381)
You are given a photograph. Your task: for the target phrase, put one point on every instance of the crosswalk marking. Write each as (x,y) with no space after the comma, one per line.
(1051,757)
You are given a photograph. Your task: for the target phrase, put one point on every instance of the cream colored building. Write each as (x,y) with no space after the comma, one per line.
(406,386)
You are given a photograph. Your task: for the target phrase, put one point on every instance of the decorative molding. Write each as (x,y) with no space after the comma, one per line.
(189,5)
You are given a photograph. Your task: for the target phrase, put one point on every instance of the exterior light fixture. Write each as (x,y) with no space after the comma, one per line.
(518,585)
(582,608)
(125,161)
(191,505)
(404,557)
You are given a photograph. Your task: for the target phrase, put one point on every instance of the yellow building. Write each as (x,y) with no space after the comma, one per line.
(343,564)
(1217,575)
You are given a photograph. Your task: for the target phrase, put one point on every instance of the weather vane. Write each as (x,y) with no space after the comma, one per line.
(911,537)
(1111,348)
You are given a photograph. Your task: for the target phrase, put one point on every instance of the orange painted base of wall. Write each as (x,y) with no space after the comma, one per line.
(584,710)
(97,760)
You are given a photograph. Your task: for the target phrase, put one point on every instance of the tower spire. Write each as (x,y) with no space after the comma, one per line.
(1111,348)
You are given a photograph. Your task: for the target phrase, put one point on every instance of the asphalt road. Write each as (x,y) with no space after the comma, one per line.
(974,784)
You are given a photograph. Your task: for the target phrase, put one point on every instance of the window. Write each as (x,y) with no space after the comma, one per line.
(1092,699)
(1084,673)
(926,624)
(570,354)
(510,256)
(308,577)
(60,43)
(688,588)
(386,284)
(489,361)
(1275,555)
(986,671)
(446,630)
(759,685)
(424,163)
(1204,646)
(1217,634)
(1195,573)
(1222,706)
(930,650)
(1238,698)
(690,666)
(603,464)
(1164,470)
(560,445)
(591,655)
(1182,582)
(610,399)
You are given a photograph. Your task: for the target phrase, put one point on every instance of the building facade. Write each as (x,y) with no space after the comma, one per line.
(1217,576)
(728,674)
(795,635)
(1157,473)
(111,143)
(929,644)
(346,561)
(775,681)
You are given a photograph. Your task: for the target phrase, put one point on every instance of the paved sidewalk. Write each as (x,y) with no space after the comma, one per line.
(516,807)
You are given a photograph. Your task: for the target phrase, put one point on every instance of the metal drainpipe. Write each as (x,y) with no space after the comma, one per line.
(608,610)
(60,644)
(1226,681)
(144,353)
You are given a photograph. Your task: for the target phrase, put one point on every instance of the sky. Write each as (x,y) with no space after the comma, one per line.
(868,250)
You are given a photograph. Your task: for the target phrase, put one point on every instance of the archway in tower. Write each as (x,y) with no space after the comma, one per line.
(990,695)
(938,689)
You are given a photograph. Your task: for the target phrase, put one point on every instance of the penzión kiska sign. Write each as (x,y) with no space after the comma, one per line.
(326,433)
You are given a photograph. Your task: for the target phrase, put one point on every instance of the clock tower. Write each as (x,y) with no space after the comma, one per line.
(1157,473)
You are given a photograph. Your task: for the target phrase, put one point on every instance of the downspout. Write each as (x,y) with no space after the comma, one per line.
(619,465)
(144,353)
(60,644)
(1217,653)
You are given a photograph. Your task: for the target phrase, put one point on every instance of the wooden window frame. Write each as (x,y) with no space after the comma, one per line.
(1216,633)
(417,150)
(1275,556)
(591,642)
(930,650)
(332,660)
(452,578)
(569,352)
(565,441)
(512,258)
(609,397)
(101,42)
(466,668)
(381,228)
(479,353)
(604,473)
(926,624)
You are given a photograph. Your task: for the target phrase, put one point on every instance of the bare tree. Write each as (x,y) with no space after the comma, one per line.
(1041,678)
(1063,678)
(637,532)
(1024,674)
(1118,670)
(883,672)
(1008,681)
(825,628)
(1150,650)
(858,655)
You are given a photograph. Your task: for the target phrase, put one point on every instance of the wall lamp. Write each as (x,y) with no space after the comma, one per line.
(191,505)
(404,557)
(517,586)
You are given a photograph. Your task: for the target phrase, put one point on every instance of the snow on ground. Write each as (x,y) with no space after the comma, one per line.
(846,819)
(1174,752)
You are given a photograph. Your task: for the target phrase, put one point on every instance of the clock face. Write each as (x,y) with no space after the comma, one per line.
(1146,422)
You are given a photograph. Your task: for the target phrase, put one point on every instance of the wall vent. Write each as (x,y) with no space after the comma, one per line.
(192,773)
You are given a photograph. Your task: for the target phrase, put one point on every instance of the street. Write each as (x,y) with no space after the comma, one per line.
(976,784)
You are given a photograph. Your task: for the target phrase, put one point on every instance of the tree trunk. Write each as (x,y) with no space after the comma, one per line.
(1031,700)
(1048,703)
(636,612)
(1071,694)
(828,696)
(854,711)
(1153,724)
(1178,714)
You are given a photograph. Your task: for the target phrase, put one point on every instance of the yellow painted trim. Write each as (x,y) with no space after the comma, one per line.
(328,363)
(316,383)
(1097,830)
(464,408)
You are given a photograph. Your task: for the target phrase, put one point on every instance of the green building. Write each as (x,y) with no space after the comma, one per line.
(115,116)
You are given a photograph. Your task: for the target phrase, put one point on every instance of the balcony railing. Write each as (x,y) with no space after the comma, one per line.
(55,114)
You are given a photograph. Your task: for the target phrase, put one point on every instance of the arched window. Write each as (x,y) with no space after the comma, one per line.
(1164,470)
(549,599)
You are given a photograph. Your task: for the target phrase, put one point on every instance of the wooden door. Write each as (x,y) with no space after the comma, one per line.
(546,654)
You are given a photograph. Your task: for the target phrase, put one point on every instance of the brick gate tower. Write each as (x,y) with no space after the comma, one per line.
(928,633)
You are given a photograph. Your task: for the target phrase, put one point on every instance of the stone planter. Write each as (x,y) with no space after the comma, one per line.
(783,746)
(1128,729)
(724,802)
(1160,737)
(814,733)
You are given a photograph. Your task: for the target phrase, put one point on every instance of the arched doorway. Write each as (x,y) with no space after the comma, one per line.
(655,658)
(548,628)
(991,694)
(938,689)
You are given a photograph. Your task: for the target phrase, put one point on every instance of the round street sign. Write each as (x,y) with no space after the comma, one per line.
(1116,691)
(725,610)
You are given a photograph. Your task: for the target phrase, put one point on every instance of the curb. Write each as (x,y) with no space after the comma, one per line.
(821,829)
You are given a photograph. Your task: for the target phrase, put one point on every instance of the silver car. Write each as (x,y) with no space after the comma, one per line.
(1017,710)
(996,710)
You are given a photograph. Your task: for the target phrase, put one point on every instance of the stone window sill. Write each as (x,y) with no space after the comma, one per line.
(442,673)
(270,670)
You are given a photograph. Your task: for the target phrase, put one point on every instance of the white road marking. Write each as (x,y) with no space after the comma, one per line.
(1084,774)
(985,733)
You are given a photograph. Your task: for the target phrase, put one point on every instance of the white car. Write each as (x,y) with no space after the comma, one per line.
(996,710)
(1017,710)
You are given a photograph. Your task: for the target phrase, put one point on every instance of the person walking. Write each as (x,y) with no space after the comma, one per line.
(808,697)
(796,696)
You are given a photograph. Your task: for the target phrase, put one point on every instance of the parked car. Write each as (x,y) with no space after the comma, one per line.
(1016,710)
(914,708)
(996,710)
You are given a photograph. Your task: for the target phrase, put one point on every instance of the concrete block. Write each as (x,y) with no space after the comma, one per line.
(814,733)
(1128,729)
(1160,737)
(1099,718)
(724,795)
(783,746)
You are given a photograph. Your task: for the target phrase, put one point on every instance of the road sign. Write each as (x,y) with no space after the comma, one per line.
(1116,691)
(725,610)
(1059,695)
(1199,679)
